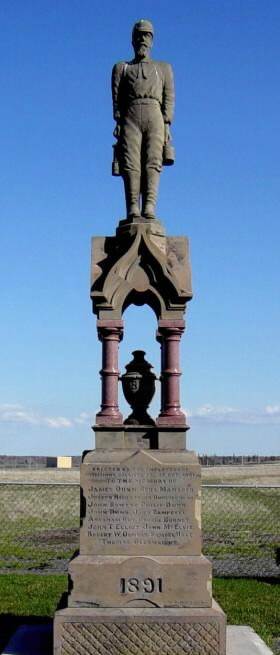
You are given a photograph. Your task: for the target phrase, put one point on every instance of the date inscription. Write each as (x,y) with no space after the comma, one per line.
(145,586)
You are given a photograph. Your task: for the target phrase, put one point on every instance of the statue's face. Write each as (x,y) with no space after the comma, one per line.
(142,43)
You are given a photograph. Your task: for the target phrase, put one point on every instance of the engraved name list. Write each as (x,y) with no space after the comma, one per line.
(139,505)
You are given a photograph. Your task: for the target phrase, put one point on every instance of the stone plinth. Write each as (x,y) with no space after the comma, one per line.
(140,583)
(142,437)
(144,631)
(140,532)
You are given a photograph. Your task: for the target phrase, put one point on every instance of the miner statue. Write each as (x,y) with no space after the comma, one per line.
(143,103)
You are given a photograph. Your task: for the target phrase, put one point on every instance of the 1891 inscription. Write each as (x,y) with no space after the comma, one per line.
(139,505)
(146,586)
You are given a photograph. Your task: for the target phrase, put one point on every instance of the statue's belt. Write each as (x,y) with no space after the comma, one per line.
(144,101)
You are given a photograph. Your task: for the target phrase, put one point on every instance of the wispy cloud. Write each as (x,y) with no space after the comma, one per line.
(57,421)
(83,418)
(14,413)
(270,414)
(273,410)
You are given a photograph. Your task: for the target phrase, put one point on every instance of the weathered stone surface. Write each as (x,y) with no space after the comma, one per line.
(126,437)
(177,253)
(172,439)
(153,227)
(140,267)
(140,437)
(140,631)
(140,503)
(36,639)
(118,581)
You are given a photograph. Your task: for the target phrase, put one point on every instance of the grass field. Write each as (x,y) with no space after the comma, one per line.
(241,530)
(246,602)
(38,524)
(252,474)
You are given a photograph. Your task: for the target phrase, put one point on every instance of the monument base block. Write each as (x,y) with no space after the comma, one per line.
(140,631)
(118,581)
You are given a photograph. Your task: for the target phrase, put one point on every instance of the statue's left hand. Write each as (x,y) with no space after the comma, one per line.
(117,131)
(166,133)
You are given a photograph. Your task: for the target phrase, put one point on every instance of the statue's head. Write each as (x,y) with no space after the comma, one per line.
(142,38)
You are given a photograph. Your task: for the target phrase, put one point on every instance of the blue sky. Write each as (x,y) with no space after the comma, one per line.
(57,191)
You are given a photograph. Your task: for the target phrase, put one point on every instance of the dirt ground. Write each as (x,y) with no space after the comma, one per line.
(40,475)
(268,474)
(251,474)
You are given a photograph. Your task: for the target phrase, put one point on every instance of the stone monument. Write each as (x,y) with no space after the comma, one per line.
(140,584)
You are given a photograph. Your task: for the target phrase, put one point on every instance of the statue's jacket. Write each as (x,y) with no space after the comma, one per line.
(134,82)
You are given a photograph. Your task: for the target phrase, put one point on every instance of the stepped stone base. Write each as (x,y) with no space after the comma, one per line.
(86,631)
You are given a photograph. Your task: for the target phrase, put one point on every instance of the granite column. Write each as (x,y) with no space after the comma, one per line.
(110,334)
(169,335)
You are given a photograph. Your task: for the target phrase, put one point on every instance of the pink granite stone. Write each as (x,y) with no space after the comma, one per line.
(169,335)
(110,334)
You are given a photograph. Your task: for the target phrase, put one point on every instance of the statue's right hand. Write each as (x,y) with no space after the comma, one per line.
(167,135)
(117,131)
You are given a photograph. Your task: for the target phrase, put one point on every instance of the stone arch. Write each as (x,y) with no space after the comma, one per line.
(150,298)
(140,265)
(140,269)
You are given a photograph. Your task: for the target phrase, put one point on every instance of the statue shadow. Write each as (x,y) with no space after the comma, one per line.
(27,635)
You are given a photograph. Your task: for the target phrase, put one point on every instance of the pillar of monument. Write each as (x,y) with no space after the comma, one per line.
(110,334)
(169,335)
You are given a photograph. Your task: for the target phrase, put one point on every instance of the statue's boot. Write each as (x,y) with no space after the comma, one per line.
(151,191)
(132,194)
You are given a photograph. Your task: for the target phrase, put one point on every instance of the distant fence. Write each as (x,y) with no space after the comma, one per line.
(34,462)
(74,461)
(238,460)
(39,528)
(241,529)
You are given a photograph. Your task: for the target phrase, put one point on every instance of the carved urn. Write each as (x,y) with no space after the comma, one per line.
(138,385)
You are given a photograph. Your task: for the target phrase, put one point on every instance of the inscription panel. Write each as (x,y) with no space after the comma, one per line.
(134,507)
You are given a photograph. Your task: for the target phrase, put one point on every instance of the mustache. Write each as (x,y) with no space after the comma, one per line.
(141,46)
